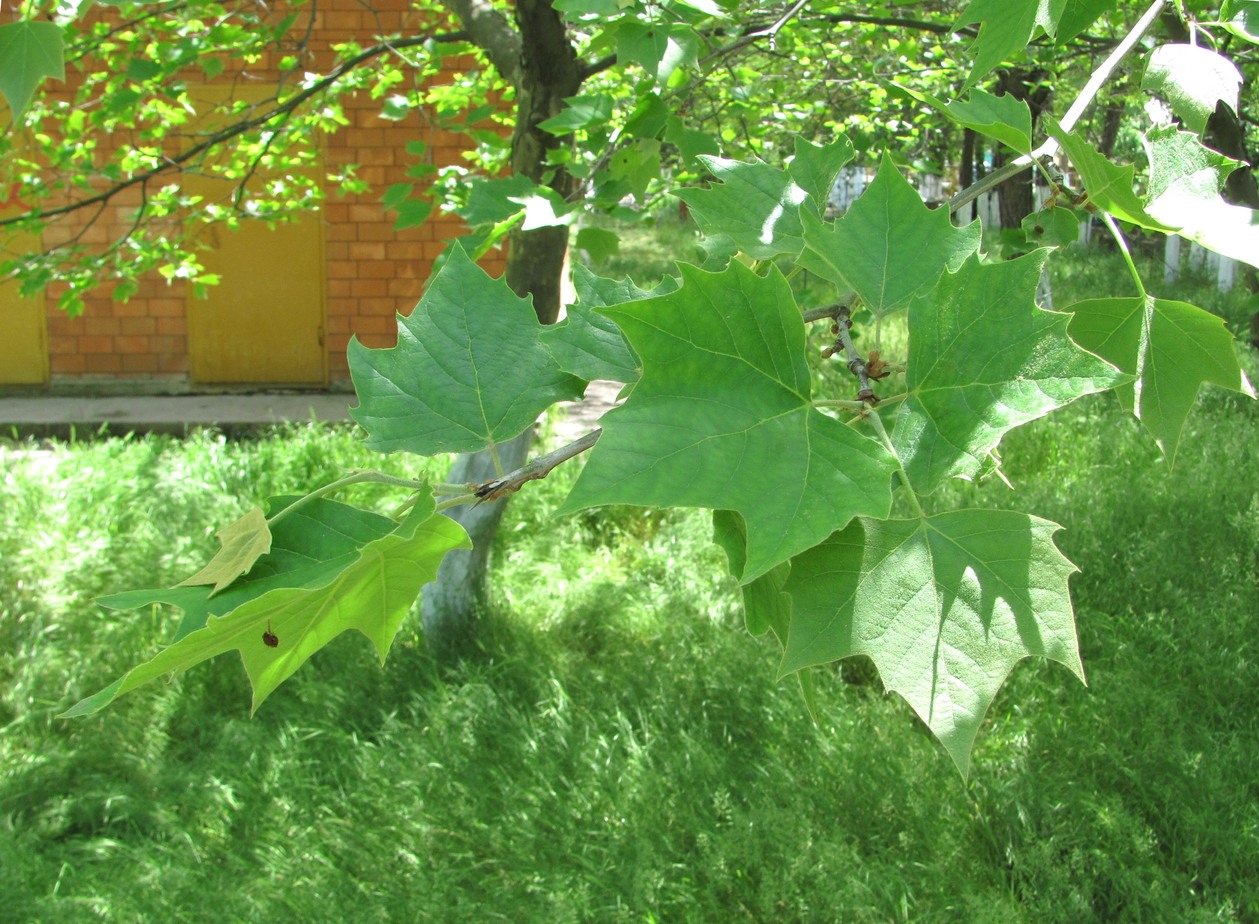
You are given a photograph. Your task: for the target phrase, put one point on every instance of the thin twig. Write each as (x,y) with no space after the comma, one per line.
(1074,114)
(537,468)
(856,363)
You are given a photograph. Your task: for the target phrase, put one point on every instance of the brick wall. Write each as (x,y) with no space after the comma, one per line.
(372,272)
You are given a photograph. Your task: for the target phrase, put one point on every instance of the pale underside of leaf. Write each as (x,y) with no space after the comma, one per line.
(945,607)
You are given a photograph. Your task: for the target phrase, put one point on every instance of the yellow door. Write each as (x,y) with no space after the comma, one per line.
(23,331)
(264,322)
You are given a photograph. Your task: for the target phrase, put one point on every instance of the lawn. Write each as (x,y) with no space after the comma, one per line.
(619,748)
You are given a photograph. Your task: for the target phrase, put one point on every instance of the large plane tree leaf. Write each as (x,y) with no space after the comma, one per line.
(754,209)
(277,631)
(945,606)
(888,245)
(1005,27)
(984,359)
(469,370)
(1186,182)
(1171,348)
(722,418)
(1192,79)
(29,52)
(588,344)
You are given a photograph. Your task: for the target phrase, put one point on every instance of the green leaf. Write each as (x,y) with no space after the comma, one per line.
(1053,227)
(1192,79)
(1109,187)
(307,543)
(1005,118)
(658,48)
(243,543)
(1186,181)
(816,167)
(984,359)
(580,112)
(1171,348)
(469,369)
(279,630)
(691,144)
(492,201)
(766,606)
(598,243)
(588,344)
(1241,17)
(412,214)
(888,245)
(755,209)
(1006,26)
(722,418)
(945,606)
(29,52)
(1078,15)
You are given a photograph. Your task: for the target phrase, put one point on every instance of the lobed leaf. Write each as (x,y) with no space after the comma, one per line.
(755,209)
(277,630)
(243,543)
(29,52)
(469,369)
(1005,27)
(945,606)
(1109,187)
(1192,79)
(1170,348)
(722,418)
(984,359)
(888,245)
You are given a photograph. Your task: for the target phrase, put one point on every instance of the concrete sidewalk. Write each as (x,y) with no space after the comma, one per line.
(49,416)
(42,416)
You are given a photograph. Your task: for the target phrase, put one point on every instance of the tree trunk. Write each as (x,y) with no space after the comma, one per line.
(545,69)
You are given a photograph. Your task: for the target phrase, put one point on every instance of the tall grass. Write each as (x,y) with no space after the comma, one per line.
(618,748)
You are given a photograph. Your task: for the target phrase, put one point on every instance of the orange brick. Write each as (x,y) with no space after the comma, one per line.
(172,362)
(168,344)
(367,250)
(137,326)
(132,345)
(143,362)
(71,364)
(61,344)
(370,288)
(95,344)
(338,289)
(103,362)
(379,269)
(178,326)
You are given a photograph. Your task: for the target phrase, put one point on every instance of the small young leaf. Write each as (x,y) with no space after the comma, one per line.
(1241,17)
(1171,348)
(659,48)
(722,418)
(888,245)
(1005,118)
(1109,187)
(945,606)
(816,167)
(469,369)
(580,112)
(1054,227)
(243,543)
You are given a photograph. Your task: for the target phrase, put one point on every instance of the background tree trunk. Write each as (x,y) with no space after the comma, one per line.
(544,68)
(1015,200)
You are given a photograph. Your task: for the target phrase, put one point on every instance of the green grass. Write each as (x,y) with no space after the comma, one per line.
(618,748)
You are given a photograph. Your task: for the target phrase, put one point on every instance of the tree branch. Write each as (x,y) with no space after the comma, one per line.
(283,110)
(493,33)
(537,468)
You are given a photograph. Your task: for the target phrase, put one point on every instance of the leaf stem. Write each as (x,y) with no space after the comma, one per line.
(360,477)
(877,422)
(1127,255)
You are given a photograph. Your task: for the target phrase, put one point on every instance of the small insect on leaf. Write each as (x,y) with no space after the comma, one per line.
(269,638)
